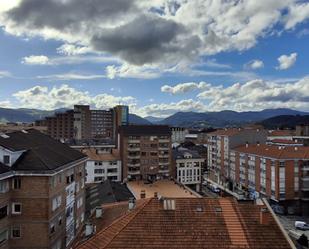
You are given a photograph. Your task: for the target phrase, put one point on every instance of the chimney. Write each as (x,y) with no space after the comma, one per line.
(131,204)
(247,144)
(168,204)
(258,143)
(264,216)
(143,194)
(155,194)
(98,212)
(295,148)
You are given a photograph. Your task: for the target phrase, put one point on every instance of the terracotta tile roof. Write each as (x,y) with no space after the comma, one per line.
(195,223)
(281,133)
(91,153)
(226,132)
(274,151)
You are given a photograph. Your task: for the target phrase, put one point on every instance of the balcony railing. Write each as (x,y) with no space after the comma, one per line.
(133,164)
(134,148)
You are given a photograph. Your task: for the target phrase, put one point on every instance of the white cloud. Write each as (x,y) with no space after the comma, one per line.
(286,61)
(130,71)
(297,13)
(254,64)
(167,109)
(258,95)
(71,49)
(35,60)
(184,87)
(42,97)
(5,104)
(71,76)
(4,74)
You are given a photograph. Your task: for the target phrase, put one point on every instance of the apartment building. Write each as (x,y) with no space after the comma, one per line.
(179,134)
(103,165)
(146,152)
(188,164)
(280,173)
(42,196)
(220,143)
(302,130)
(82,123)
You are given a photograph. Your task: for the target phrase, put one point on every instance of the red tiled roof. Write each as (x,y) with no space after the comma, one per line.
(282,133)
(274,151)
(195,223)
(93,155)
(225,132)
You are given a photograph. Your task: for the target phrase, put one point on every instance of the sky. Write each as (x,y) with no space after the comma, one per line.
(159,57)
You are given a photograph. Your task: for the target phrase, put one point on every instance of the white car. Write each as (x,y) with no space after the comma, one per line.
(301,225)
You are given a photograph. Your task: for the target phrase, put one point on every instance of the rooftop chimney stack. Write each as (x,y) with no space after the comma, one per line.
(143,194)
(247,144)
(264,216)
(131,204)
(98,212)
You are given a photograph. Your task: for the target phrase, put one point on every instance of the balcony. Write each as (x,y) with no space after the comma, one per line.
(133,141)
(133,164)
(164,148)
(163,163)
(165,140)
(134,156)
(134,148)
(164,156)
(305,168)
(135,172)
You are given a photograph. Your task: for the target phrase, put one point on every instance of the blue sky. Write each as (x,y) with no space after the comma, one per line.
(196,56)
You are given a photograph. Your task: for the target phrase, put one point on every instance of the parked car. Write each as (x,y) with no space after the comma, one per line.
(278,209)
(301,225)
(214,188)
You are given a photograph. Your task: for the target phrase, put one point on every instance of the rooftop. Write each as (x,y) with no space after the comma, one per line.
(274,151)
(194,223)
(281,133)
(163,188)
(284,141)
(93,154)
(181,153)
(39,151)
(140,130)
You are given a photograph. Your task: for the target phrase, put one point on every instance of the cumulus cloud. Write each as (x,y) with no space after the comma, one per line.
(35,60)
(130,71)
(143,32)
(42,97)
(286,61)
(184,87)
(71,76)
(6,104)
(257,95)
(254,64)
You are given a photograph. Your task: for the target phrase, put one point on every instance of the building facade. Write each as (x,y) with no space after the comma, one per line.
(42,196)
(188,166)
(103,165)
(220,143)
(82,123)
(277,172)
(146,152)
(178,134)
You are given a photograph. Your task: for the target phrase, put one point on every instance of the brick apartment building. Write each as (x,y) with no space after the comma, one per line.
(42,196)
(146,152)
(220,143)
(82,123)
(280,173)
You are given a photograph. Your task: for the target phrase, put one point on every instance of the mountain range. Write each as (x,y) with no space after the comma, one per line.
(185,119)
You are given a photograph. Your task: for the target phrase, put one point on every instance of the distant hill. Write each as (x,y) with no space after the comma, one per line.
(153,119)
(285,121)
(135,119)
(225,118)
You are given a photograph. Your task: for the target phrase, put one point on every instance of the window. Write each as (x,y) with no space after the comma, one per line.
(60,220)
(56,202)
(16,183)
(4,186)
(52,228)
(16,208)
(79,202)
(98,179)
(3,236)
(3,212)
(6,159)
(82,217)
(16,233)
(99,171)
